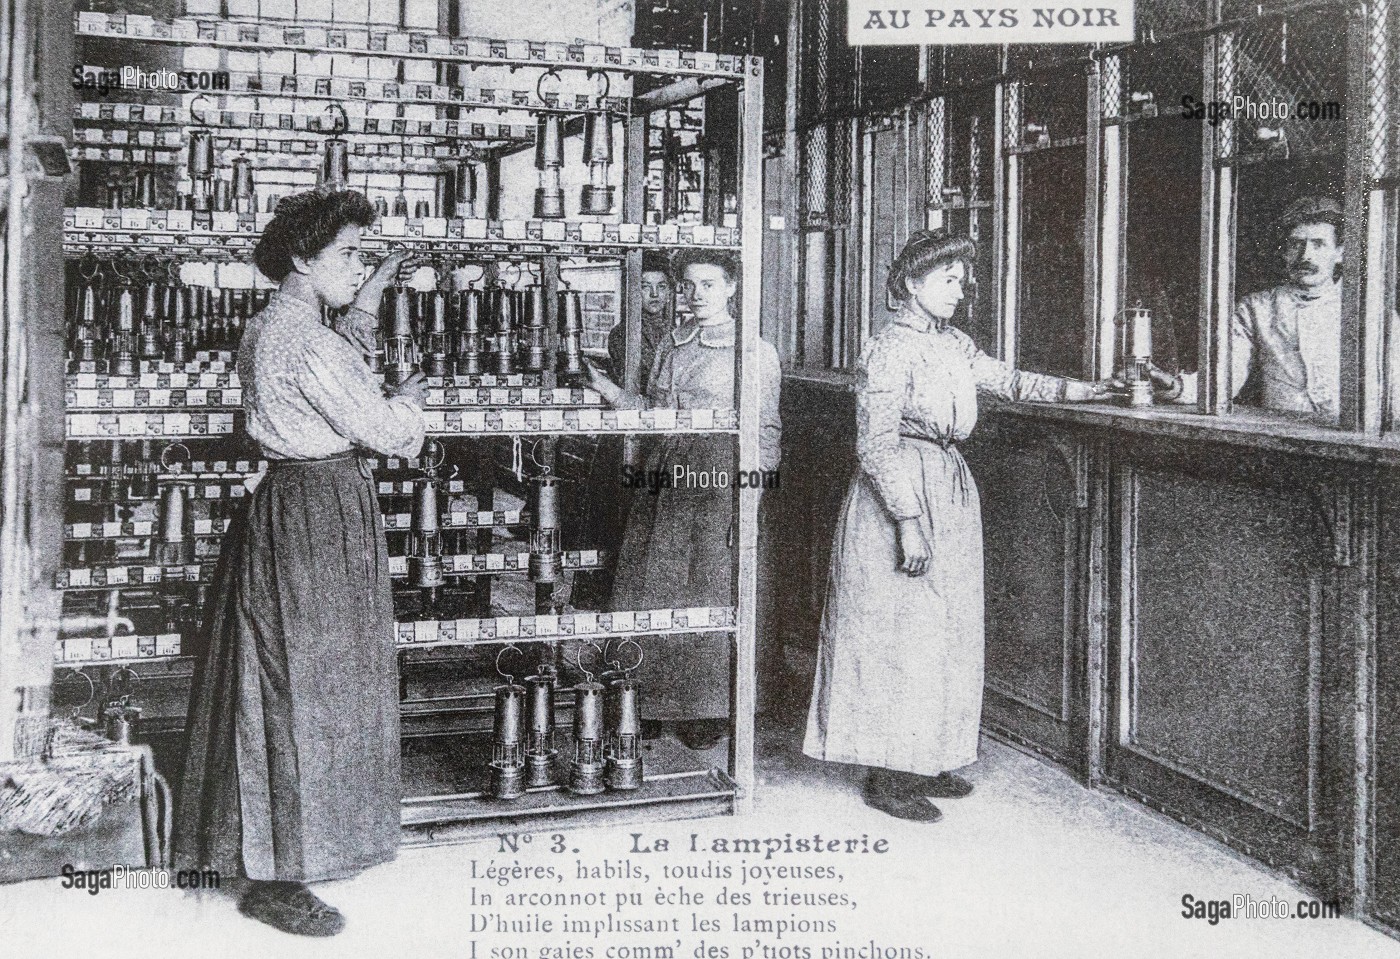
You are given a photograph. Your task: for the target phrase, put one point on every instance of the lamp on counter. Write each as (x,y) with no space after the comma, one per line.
(508,739)
(1137,354)
(570,367)
(586,767)
(400,354)
(623,770)
(549,161)
(540,753)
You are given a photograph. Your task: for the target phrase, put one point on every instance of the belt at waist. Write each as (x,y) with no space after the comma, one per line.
(347,457)
(947,444)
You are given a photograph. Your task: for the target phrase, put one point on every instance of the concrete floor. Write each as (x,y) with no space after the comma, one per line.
(1032,864)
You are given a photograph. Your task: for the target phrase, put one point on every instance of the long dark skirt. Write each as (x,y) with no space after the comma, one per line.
(677,552)
(292,771)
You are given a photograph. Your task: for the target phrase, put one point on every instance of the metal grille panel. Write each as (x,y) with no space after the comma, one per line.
(937,152)
(1012,133)
(1225,88)
(1287,61)
(1380,109)
(816,155)
(1165,71)
(1111,95)
(839,201)
(1160,18)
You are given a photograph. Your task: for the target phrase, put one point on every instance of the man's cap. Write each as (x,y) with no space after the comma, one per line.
(1310,209)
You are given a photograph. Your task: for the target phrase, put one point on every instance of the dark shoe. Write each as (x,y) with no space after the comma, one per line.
(900,803)
(702,734)
(291,907)
(947,786)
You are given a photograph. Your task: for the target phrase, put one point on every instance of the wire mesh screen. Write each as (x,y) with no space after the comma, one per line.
(839,202)
(1111,80)
(1160,75)
(1225,90)
(1291,74)
(1380,107)
(1160,18)
(814,94)
(1011,135)
(936,147)
(816,156)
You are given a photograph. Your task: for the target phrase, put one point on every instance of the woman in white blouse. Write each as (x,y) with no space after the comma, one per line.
(292,770)
(899,670)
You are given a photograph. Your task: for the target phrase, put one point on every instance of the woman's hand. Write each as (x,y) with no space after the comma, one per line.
(599,381)
(915,554)
(1079,391)
(371,294)
(415,388)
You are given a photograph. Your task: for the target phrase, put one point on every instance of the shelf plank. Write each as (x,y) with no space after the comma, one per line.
(408,46)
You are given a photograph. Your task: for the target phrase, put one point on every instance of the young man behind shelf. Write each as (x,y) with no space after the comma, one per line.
(1286,341)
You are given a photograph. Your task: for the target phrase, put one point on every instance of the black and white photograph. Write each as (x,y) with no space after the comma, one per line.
(700,479)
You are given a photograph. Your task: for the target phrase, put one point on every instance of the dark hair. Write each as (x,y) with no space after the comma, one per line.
(723,259)
(1311,209)
(925,250)
(305,224)
(654,261)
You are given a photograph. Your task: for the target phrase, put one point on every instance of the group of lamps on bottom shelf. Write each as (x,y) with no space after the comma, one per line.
(607,732)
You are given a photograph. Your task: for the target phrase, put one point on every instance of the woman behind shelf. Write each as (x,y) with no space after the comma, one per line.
(292,771)
(678,548)
(898,687)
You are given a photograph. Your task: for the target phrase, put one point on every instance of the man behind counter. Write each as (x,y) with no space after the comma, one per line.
(1286,341)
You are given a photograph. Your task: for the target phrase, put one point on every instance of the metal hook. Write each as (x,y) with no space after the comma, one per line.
(641,655)
(96,265)
(607,84)
(539,84)
(336,106)
(578,659)
(509,677)
(169,465)
(198,115)
(92,691)
(112,683)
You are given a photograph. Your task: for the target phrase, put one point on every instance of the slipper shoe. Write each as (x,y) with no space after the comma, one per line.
(299,913)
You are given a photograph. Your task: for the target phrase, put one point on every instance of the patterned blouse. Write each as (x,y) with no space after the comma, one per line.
(921,381)
(308,392)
